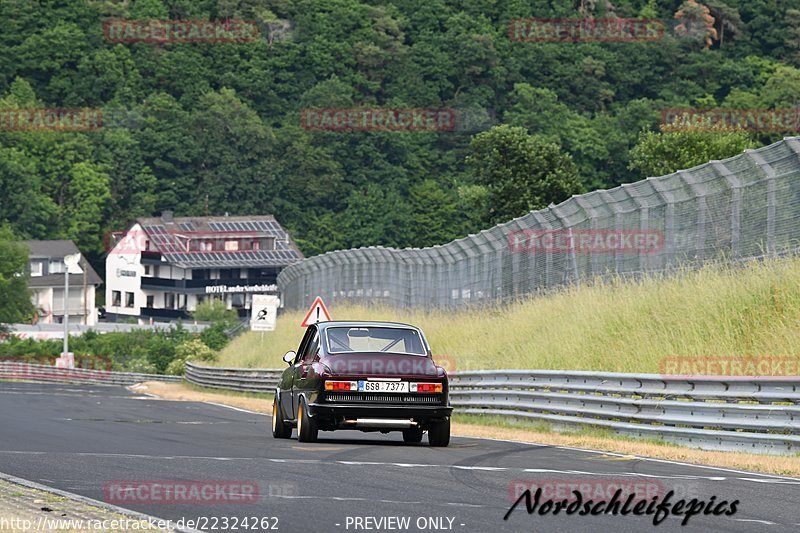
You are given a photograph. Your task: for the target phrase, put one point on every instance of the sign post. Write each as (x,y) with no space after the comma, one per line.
(70,262)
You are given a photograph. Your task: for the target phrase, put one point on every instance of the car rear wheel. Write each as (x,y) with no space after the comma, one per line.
(306,427)
(439,434)
(279,428)
(412,435)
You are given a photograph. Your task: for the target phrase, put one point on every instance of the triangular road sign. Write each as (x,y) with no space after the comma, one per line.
(317,313)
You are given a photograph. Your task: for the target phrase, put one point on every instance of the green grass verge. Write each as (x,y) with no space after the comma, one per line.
(545,427)
(617,326)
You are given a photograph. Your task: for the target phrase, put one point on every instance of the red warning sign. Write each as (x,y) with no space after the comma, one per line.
(317,313)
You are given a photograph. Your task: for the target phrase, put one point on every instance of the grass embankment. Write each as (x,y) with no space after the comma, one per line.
(616,326)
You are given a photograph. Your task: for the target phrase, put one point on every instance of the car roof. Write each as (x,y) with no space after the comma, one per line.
(362,323)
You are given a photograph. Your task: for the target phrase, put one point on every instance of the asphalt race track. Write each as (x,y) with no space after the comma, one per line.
(82,438)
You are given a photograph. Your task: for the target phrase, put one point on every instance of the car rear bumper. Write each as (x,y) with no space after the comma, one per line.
(417,412)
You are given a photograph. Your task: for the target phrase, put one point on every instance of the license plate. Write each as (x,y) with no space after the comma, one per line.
(382,386)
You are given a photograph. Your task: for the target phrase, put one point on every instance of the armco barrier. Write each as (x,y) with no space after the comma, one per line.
(237,379)
(31,372)
(760,415)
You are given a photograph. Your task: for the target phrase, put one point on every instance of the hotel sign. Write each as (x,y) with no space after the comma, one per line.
(229,289)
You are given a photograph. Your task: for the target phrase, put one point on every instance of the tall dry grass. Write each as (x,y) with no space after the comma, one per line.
(613,326)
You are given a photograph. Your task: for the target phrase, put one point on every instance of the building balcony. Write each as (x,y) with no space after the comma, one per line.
(171,314)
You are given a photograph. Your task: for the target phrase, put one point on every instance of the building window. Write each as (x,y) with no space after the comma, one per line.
(237,300)
(55,267)
(116,298)
(36,268)
(128,299)
(231,246)
(169,300)
(150,300)
(229,273)
(201,273)
(147,270)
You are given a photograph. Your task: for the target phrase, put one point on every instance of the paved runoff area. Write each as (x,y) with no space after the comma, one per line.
(211,468)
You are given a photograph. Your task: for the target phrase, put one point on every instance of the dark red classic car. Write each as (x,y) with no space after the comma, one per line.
(369,376)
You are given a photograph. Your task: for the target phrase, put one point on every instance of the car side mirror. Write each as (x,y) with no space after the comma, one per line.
(289,356)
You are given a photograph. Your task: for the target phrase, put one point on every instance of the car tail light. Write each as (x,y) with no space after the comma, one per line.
(426,387)
(341,385)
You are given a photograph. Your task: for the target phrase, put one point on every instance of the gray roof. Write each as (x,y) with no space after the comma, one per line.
(57,250)
(362,323)
(162,232)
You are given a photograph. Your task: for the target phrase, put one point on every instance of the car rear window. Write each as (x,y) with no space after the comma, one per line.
(374,339)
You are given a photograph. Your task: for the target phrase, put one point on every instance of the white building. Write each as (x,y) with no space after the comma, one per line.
(46,266)
(162,267)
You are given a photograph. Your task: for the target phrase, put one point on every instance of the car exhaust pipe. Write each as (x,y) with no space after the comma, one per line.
(381,423)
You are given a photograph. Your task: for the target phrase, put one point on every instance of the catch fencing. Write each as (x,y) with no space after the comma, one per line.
(12,370)
(745,207)
(759,415)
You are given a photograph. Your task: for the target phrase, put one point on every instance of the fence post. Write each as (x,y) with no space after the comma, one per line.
(614,205)
(644,221)
(771,201)
(702,208)
(565,224)
(736,205)
(669,218)
(591,213)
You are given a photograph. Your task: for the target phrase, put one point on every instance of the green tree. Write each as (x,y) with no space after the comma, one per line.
(521,172)
(215,311)
(433,210)
(658,154)
(15,298)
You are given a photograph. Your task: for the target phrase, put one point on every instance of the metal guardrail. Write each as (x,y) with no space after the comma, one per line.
(760,415)
(31,372)
(237,379)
